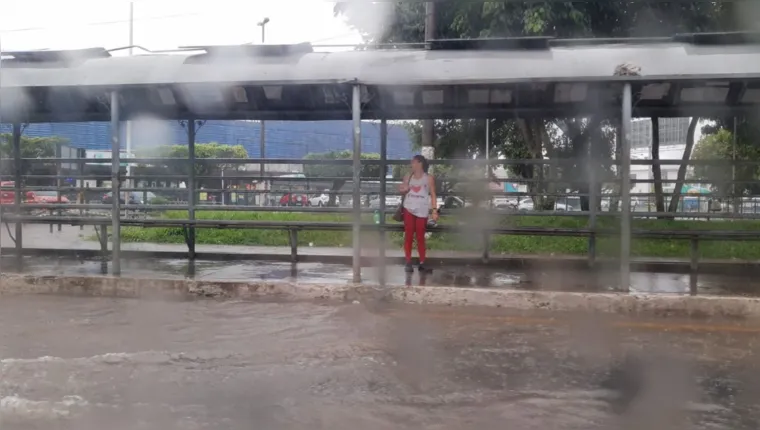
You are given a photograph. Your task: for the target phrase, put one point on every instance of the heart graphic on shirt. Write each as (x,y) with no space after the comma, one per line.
(417,188)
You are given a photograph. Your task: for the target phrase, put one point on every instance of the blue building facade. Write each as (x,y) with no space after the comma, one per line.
(284,139)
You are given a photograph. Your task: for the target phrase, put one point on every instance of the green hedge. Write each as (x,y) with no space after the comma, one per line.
(464,241)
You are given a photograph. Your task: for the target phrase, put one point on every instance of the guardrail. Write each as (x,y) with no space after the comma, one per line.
(592,189)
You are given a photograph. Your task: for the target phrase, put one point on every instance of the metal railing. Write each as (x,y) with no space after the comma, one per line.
(602,190)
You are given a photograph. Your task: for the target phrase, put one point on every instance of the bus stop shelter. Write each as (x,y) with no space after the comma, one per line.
(706,75)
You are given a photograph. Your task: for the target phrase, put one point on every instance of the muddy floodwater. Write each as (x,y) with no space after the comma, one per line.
(87,364)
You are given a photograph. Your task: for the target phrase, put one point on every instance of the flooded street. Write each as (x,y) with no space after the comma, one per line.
(74,363)
(448,275)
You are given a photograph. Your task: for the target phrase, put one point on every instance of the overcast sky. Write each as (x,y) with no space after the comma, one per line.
(166,24)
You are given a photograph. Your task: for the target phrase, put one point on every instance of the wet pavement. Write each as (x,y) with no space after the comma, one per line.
(39,236)
(449,275)
(87,364)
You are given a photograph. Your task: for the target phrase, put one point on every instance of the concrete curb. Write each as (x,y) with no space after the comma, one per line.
(661,305)
(504,262)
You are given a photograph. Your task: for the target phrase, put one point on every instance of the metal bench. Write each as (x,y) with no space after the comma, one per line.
(293,227)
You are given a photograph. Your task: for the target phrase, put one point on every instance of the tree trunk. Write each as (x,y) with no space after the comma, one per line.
(336,186)
(684,167)
(533,139)
(616,190)
(659,200)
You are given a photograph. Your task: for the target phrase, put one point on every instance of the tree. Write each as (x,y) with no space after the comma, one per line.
(719,146)
(403,22)
(31,147)
(339,174)
(204,155)
(682,169)
(659,199)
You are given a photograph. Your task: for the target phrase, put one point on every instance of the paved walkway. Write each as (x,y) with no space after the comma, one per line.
(72,238)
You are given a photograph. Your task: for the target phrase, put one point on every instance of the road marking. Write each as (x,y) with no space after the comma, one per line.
(642,325)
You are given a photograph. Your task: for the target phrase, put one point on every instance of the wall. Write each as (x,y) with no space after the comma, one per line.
(284,139)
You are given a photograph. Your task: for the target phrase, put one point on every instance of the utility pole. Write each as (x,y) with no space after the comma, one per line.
(262,124)
(428,129)
(128,132)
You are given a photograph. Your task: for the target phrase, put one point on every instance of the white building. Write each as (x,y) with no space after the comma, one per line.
(673,133)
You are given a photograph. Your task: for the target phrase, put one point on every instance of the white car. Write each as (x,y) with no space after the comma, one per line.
(504,202)
(321,200)
(390,202)
(525,205)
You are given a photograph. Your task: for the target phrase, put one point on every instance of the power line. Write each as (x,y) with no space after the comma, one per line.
(99,23)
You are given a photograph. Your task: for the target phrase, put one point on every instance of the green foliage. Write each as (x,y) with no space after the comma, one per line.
(719,146)
(159,201)
(398,22)
(340,170)
(204,155)
(340,173)
(503,244)
(31,147)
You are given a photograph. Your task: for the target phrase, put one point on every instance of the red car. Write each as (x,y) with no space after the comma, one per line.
(41,197)
(294,200)
(8,196)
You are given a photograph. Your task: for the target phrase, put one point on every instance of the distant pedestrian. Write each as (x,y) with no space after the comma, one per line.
(420,202)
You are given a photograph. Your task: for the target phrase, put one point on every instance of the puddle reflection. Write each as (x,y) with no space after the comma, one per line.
(456,276)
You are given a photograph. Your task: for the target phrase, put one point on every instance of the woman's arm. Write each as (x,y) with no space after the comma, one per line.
(403,187)
(433,197)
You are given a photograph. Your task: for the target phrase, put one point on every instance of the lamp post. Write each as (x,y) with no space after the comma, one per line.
(262,125)
(128,132)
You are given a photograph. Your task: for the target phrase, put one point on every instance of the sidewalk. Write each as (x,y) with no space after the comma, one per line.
(38,240)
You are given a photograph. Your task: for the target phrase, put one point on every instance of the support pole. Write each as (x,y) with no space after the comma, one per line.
(263,129)
(58,181)
(115,185)
(383,185)
(80,181)
(262,168)
(191,195)
(625,189)
(593,200)
(17,191)
(428,125)
(734,198)
(357,166)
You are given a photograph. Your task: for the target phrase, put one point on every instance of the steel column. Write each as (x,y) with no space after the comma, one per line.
(625,188)
(383,185)
(593,200)
(357,166)
(262,168)
(17,191)
(115,185)
(191,195)
(58,181)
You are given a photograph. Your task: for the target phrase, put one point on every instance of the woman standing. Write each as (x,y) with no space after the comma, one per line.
(418,189)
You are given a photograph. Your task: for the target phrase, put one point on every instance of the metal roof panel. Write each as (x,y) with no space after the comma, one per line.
(405,67)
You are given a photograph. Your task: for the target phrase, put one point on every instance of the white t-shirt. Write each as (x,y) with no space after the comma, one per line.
(417,200)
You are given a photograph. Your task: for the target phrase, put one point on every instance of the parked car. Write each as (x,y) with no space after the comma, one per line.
(568,204)
(504,202)
(320,200)
(45,197)
(294,200)
(526,205)
(8,196)
(135,198)
(391,202)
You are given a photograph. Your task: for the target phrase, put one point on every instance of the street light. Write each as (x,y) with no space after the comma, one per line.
(263,25)
(262,125)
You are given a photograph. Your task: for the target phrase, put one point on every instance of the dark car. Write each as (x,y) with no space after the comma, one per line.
(135,198)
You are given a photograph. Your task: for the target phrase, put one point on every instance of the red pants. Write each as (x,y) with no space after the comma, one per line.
(414,226)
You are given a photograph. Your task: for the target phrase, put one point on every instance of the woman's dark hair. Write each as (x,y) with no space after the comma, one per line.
(422,160)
